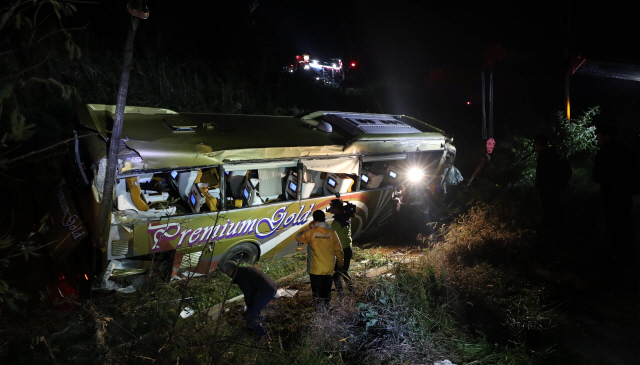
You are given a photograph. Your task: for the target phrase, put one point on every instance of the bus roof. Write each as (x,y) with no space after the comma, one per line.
(163,139)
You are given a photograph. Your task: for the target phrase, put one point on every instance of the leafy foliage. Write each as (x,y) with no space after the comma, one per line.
(576,137)
(574,140)
(11,297)
(31,32)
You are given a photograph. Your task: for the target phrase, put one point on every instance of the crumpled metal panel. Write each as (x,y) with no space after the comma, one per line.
(154,140)
(163,155)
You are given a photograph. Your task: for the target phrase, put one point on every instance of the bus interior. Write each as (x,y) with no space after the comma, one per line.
(198,190)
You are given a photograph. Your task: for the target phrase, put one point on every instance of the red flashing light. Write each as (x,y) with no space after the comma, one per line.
(468,103)
(353,64)
(86,277)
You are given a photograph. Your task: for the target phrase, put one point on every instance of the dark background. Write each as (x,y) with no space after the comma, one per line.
(417,58)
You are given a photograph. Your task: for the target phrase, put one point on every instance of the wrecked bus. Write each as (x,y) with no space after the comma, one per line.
(193,190)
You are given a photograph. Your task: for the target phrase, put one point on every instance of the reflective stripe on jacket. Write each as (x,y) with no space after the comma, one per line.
(325,247)
(342,225)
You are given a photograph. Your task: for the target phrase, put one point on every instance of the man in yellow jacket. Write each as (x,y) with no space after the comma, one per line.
(326,252)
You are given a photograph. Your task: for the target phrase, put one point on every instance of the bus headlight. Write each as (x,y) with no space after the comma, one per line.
(415,175)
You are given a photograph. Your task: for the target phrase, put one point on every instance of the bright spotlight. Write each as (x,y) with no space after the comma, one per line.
(415,175)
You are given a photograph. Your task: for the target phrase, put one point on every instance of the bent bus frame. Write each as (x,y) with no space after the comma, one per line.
(193,190)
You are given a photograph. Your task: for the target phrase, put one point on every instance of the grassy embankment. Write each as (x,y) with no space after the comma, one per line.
(463,299)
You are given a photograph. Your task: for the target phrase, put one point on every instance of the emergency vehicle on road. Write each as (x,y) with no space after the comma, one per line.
(329,73)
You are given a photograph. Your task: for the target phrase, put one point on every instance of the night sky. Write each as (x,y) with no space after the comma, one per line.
(428,55)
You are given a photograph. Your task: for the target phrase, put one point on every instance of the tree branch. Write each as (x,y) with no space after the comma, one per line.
(10,11)
(49,348)
(31,251)
(61,30)
(37,25)
(35,22)
(79,2)
(48,148)
(27,69)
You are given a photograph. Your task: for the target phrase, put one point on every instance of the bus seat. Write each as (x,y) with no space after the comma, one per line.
(292,186)
(234,182)
(152,188)
(337,183)
(123,202)
(211,177)
(137,198)
(308,186)
(155,197)
(307,175)
(210,201)
(318,181)
(186,180)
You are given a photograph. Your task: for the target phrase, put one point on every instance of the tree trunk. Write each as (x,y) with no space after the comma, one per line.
(114,141)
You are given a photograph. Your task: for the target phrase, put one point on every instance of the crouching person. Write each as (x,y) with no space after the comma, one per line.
(258,290)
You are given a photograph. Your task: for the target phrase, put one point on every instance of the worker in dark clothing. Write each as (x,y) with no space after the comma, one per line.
(615,168)
(551,184)
(258,290)
(342,225)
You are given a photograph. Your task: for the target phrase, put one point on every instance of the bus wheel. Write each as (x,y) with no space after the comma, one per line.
(244,253)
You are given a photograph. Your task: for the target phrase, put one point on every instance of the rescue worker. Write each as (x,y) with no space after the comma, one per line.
(342,225)
(258,290)
(324,254)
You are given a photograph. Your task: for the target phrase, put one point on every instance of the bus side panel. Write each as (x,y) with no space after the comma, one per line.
(374,211)
(266,226)
(201,240)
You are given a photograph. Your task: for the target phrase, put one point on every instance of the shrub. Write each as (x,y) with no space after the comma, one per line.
(574,140)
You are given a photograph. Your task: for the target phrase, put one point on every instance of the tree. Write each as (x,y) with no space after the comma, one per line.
(30,32)
(574,140)
(138,11)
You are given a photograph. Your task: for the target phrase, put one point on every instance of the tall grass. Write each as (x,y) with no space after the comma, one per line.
(464,300)
(482,264)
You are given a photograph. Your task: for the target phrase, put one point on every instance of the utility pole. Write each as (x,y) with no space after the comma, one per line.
(138,10)
(567,56)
